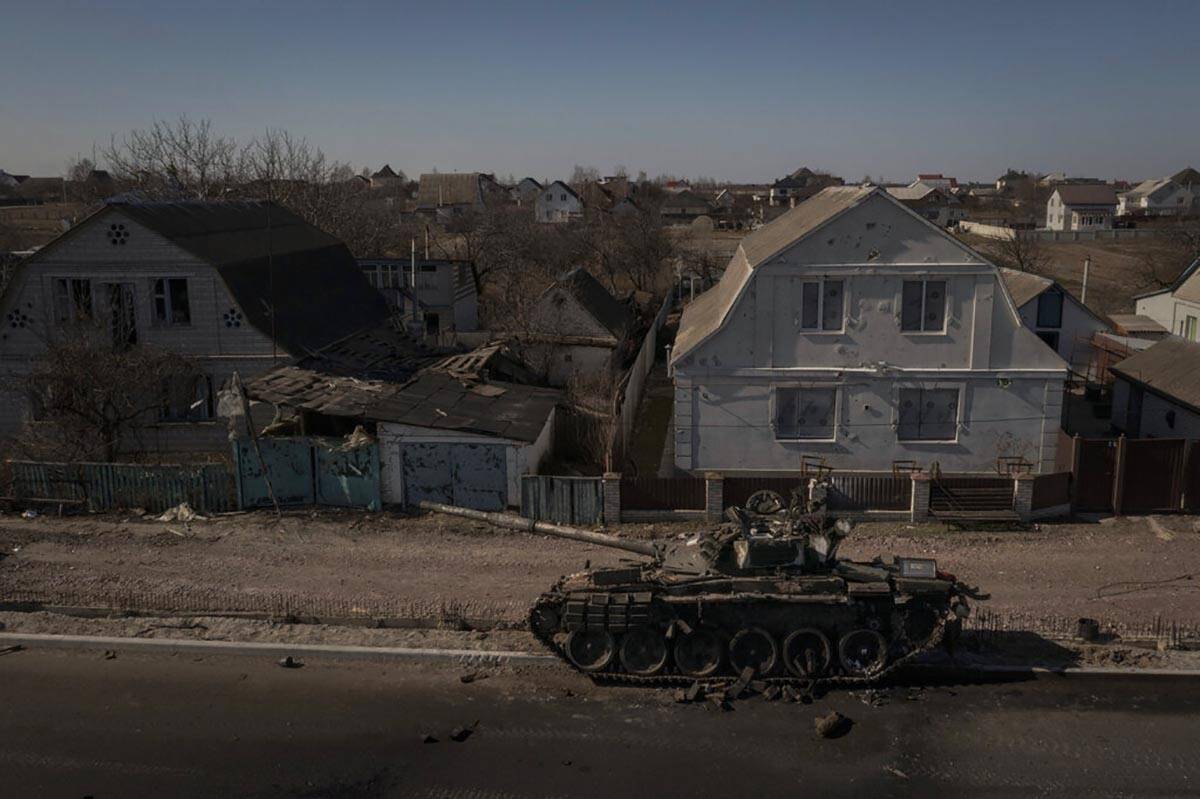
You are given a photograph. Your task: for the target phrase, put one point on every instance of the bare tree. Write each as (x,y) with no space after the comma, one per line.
(184,159)
(583,175)
(89,396)
(1173,250)
(1025,253)
(595,400)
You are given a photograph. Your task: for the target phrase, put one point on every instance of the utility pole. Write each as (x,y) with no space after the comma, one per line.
(1087,266)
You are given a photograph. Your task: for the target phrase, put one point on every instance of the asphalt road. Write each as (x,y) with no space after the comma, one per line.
(77,724)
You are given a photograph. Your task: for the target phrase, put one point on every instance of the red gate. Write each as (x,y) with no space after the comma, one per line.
(1152,475)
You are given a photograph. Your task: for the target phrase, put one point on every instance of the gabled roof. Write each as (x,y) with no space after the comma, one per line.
(1023,286)
(687,198)
(564,187)
(450,188)
(612,314)
(273,263)
(1191,293)
(1171,368)
(385,172)
(914,192)
(1187,177)
(1147,188)
(769,240)
(1086,194)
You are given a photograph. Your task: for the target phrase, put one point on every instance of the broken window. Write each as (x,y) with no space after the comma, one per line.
(122,314)
(923,306)
(171,305)
(821,305)
(928,414)
(805,413)
(1049,310)
(187,399)
(72,300)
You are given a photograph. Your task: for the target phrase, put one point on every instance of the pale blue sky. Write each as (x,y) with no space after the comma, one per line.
(736,90)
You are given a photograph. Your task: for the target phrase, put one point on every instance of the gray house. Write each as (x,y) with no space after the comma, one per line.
(235,286)
(431,297)
(1081,206)
(558,202)
(1055,315)
(1156,393)
(852,330)
(578,328)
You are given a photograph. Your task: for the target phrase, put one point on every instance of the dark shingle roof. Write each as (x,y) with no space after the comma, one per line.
(1087,194)
(450,188)
(274,264)
(612,314)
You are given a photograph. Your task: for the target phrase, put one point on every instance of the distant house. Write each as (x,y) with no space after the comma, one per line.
(525,191)
(854,331)
(445,194)
(938,181)
(724,200)
(799,186)
(1055,315)
(1156,197)
(1189,179)
(387,178)
(232,285)
(459,430)
(1156,392)
(1081,206)
(684,206)
(578,329)
(936,204)
(557,203)
(1177,307)
(34,191)
(432,298)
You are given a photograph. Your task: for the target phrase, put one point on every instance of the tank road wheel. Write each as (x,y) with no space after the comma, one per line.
(765,502)
(807,653)
(698,654)
(753,647)
(643,652)
(919,624)
(544,620)
(862,652)
(591,650)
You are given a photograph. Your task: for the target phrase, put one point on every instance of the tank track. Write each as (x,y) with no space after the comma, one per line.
(681,680)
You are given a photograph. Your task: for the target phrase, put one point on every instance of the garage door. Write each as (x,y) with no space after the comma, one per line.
(467,475)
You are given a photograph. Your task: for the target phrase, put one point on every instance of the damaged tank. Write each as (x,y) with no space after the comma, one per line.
(765,593)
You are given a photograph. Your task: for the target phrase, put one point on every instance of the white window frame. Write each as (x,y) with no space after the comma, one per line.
(945,280)
(72,309)
(168,312)
(773,407)
(959,411)
(820,281)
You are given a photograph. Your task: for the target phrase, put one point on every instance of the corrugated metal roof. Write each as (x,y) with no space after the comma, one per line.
(1135,323)
(1171,367)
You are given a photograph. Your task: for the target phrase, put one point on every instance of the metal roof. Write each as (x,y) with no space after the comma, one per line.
(1024,286)
(1171,368)
(1131,323)
(1086,194)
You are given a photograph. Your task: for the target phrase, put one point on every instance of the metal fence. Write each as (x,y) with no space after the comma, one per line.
(662,493)
(859,492)
(107,486)
(563,500)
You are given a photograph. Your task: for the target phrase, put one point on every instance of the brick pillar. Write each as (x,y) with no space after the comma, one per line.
(714,496)
(610,487)
(1023,496)
(919,507)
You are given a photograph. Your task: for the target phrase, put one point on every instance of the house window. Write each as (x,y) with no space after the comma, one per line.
(821,304)
(122,314)
(187,399)
(928,414)
(72,300)
(1050,337)
(1189,330)
(923,306)
(805,413)
(171,301)
(1049,309)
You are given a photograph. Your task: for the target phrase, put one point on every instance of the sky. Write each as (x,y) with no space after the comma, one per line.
(740,91)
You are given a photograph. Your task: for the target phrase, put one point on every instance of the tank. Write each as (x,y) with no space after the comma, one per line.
(765,595)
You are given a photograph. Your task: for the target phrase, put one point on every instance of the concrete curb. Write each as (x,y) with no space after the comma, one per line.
(464,657)
(1050,671)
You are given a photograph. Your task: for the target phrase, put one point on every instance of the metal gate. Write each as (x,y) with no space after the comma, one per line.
(467,475)
(563,500)
(1095,474)
(290,465)
(1153,475)
(347,477)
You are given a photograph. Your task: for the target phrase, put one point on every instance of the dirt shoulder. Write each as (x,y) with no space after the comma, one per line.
(1126,572)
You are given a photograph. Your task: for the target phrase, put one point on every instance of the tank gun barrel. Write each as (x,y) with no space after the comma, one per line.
(512,522)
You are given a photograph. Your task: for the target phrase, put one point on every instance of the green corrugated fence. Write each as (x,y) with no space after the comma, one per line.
(208,488)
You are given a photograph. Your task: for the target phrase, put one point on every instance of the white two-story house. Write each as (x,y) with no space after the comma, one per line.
(232,286)
(1177,307)
(1081,206)
(854,331)
(558,202)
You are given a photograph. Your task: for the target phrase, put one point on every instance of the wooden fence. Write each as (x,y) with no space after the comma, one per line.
(208,488)
(562,500)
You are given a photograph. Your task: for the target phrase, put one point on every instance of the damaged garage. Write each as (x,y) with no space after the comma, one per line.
(459,430)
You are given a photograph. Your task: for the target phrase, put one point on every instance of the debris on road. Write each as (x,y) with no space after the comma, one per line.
(8,650)
(110,654)
(833,725)
(290,662)
(471,677)
(460,734)
(29,514)
(895,772)
(183,512)
(429,739)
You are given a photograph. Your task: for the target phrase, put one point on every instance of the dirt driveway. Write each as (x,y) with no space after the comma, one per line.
(326,563)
